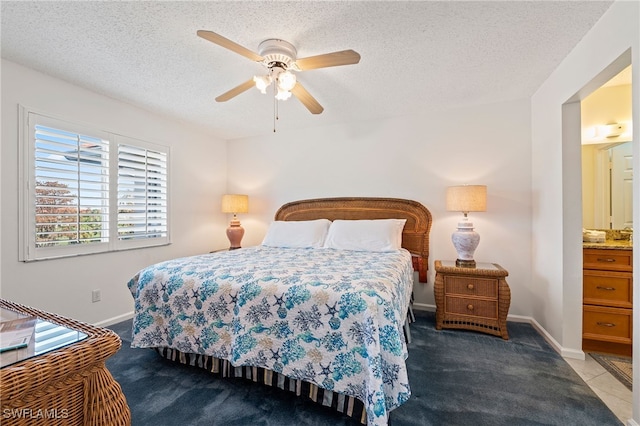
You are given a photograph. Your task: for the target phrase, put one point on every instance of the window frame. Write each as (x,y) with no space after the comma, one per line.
(28,118)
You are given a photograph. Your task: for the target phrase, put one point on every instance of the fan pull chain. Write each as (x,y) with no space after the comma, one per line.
(275,109)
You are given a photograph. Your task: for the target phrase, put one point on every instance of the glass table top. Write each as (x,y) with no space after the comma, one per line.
(23,337)
(479,265)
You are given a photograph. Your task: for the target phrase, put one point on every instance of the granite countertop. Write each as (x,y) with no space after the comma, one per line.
(616,239)
(610,245)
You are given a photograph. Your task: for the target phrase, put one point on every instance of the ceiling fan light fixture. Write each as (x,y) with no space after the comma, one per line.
(278,57)
(283,95)
(262,82)
(276,51)
(286,80)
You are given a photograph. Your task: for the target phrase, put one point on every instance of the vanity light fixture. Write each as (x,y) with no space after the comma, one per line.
(611,130)
(605,132)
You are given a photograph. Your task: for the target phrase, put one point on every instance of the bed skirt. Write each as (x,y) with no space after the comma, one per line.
(341,403)
(347,405)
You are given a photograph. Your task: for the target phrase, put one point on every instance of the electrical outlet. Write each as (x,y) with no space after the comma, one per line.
(96,296)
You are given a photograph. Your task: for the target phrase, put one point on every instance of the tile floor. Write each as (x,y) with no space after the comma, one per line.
(613,393)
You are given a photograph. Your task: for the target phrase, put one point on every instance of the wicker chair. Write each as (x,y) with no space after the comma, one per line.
(67,386)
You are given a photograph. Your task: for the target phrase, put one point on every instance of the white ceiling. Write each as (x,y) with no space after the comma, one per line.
(416,56)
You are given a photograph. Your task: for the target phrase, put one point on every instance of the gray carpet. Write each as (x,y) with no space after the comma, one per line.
(457,378)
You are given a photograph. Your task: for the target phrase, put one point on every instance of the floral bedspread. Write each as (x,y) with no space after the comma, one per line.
(330,317)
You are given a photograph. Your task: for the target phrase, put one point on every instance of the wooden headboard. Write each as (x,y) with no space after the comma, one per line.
(415,236)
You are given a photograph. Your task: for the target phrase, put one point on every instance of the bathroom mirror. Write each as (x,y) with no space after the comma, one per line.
(607,186)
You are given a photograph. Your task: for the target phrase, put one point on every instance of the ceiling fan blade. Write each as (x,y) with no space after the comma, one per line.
(344,57)
(228,44)
(236,91)
(307,100)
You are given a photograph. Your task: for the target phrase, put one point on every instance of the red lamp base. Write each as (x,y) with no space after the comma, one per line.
(235,232)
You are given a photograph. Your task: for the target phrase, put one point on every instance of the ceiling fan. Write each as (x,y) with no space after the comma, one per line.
(279,57)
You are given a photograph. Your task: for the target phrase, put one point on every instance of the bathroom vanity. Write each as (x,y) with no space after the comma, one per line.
(607,296)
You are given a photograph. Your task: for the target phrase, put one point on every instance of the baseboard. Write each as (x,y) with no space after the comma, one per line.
(519,318)
(424,307)
(115,320)
(565,353)
(632,422)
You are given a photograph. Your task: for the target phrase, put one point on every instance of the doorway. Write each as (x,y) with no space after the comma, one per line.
(607,204)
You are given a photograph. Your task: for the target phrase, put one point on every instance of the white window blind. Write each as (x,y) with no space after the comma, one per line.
(142,193)
(71,188)
(84,190)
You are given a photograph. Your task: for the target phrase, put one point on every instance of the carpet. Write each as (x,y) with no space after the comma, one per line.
(619,367)
(457,378)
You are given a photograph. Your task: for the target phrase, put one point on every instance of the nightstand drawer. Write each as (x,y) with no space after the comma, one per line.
(608,288)
(471,307)
(608,324)
(466,286)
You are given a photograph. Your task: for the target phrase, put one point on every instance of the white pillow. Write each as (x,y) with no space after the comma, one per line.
(297,233)
(366,235)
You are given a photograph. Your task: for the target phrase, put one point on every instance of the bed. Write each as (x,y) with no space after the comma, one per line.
(318,309)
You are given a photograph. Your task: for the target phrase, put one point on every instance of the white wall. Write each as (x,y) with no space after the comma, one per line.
(414,157)
(198,178)
(1,126)
(557,256)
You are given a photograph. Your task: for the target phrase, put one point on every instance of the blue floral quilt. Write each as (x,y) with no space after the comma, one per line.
(333,318)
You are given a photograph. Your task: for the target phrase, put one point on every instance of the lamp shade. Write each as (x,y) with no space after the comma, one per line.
(467,198)
(235,203)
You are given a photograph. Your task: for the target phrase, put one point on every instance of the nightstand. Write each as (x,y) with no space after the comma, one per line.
(472,298)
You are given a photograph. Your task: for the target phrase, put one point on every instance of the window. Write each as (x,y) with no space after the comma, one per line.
(88,191)
(142,193)
(71,188)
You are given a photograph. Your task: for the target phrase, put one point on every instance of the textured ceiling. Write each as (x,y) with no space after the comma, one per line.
(416,56)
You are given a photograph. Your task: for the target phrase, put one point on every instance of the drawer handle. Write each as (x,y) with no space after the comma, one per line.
(470,286)
(470,307)
(606,324)
(606,288)
(606,259)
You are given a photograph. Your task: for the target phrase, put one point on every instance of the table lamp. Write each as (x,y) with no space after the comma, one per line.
(465,199)
(235,203)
